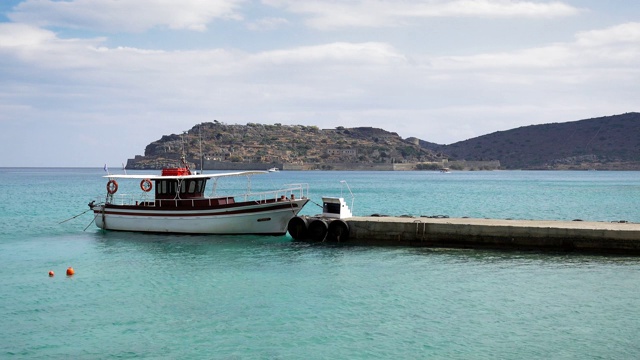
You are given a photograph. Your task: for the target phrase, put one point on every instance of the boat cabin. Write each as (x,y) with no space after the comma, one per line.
(179,189)
(174,188)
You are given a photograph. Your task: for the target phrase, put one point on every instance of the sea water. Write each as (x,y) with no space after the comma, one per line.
(162,296)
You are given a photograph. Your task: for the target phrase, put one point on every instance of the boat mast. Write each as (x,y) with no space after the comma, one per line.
(201,155)
(183,157)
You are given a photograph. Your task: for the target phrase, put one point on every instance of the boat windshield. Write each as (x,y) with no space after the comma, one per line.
(183,188)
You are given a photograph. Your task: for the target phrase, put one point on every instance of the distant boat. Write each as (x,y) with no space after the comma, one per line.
(445,170)
(273,169)
(174,202)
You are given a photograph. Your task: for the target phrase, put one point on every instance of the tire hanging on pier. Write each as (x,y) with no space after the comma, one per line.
(297,228)
(318,230)
(338,231)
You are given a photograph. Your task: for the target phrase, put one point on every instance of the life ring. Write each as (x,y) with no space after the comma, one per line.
(112,187)
(146,185)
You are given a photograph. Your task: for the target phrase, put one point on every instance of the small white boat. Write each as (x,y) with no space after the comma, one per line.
(273,169)
(445,170)
(175,202)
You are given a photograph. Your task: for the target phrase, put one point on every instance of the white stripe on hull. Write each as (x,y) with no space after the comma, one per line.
(269,221)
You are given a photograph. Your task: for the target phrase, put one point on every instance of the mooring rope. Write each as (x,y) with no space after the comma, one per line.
(73,217)
(94,219)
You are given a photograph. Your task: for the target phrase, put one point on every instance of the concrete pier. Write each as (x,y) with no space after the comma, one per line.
(578,236)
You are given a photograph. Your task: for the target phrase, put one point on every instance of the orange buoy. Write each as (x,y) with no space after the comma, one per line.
(51,273)
(70,271)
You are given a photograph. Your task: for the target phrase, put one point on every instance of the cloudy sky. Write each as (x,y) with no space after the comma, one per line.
(88,82)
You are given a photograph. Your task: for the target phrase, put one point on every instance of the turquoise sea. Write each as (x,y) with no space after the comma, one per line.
(157,296)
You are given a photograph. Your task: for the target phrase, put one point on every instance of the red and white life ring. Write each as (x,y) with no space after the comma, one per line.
(146,185)
(112,187)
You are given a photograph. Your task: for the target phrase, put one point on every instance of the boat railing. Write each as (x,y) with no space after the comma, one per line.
(128,199)
(286,192)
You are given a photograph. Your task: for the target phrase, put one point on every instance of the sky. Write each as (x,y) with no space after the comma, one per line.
(92,82)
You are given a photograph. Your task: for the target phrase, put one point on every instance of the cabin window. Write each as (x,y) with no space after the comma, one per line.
(192,187)
(199,187)
(166,187)
(183,187)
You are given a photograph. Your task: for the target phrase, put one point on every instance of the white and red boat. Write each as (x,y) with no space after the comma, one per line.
(175,202)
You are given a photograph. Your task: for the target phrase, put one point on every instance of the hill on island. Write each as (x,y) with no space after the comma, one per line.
(605,143)
(217,142)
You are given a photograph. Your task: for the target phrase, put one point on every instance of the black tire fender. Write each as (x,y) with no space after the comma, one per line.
(318,230)
(338,231)
(298,228)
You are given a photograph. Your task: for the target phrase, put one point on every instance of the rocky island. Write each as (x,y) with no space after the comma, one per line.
(606,143)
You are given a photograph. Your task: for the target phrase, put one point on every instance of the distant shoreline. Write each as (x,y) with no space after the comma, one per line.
(369,169)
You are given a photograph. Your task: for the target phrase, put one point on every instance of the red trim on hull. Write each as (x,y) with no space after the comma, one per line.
(173,212)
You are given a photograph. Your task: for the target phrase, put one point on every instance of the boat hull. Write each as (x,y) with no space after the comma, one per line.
(251,218)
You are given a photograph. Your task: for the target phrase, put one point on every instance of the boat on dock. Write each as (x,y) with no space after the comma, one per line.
(175,202)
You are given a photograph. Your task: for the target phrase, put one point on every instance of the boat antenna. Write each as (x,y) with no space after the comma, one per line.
(201,154)
(183,157)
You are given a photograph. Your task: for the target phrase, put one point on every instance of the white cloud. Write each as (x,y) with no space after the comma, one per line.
(355,69)
(43,49)
(270,23)
(328,14)
(617,46)
(89,89)
(23,35)
(343,53)
(125,16)
(623,33)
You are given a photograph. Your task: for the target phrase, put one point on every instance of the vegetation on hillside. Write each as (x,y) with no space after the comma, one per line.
(286,144)
(607,143)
